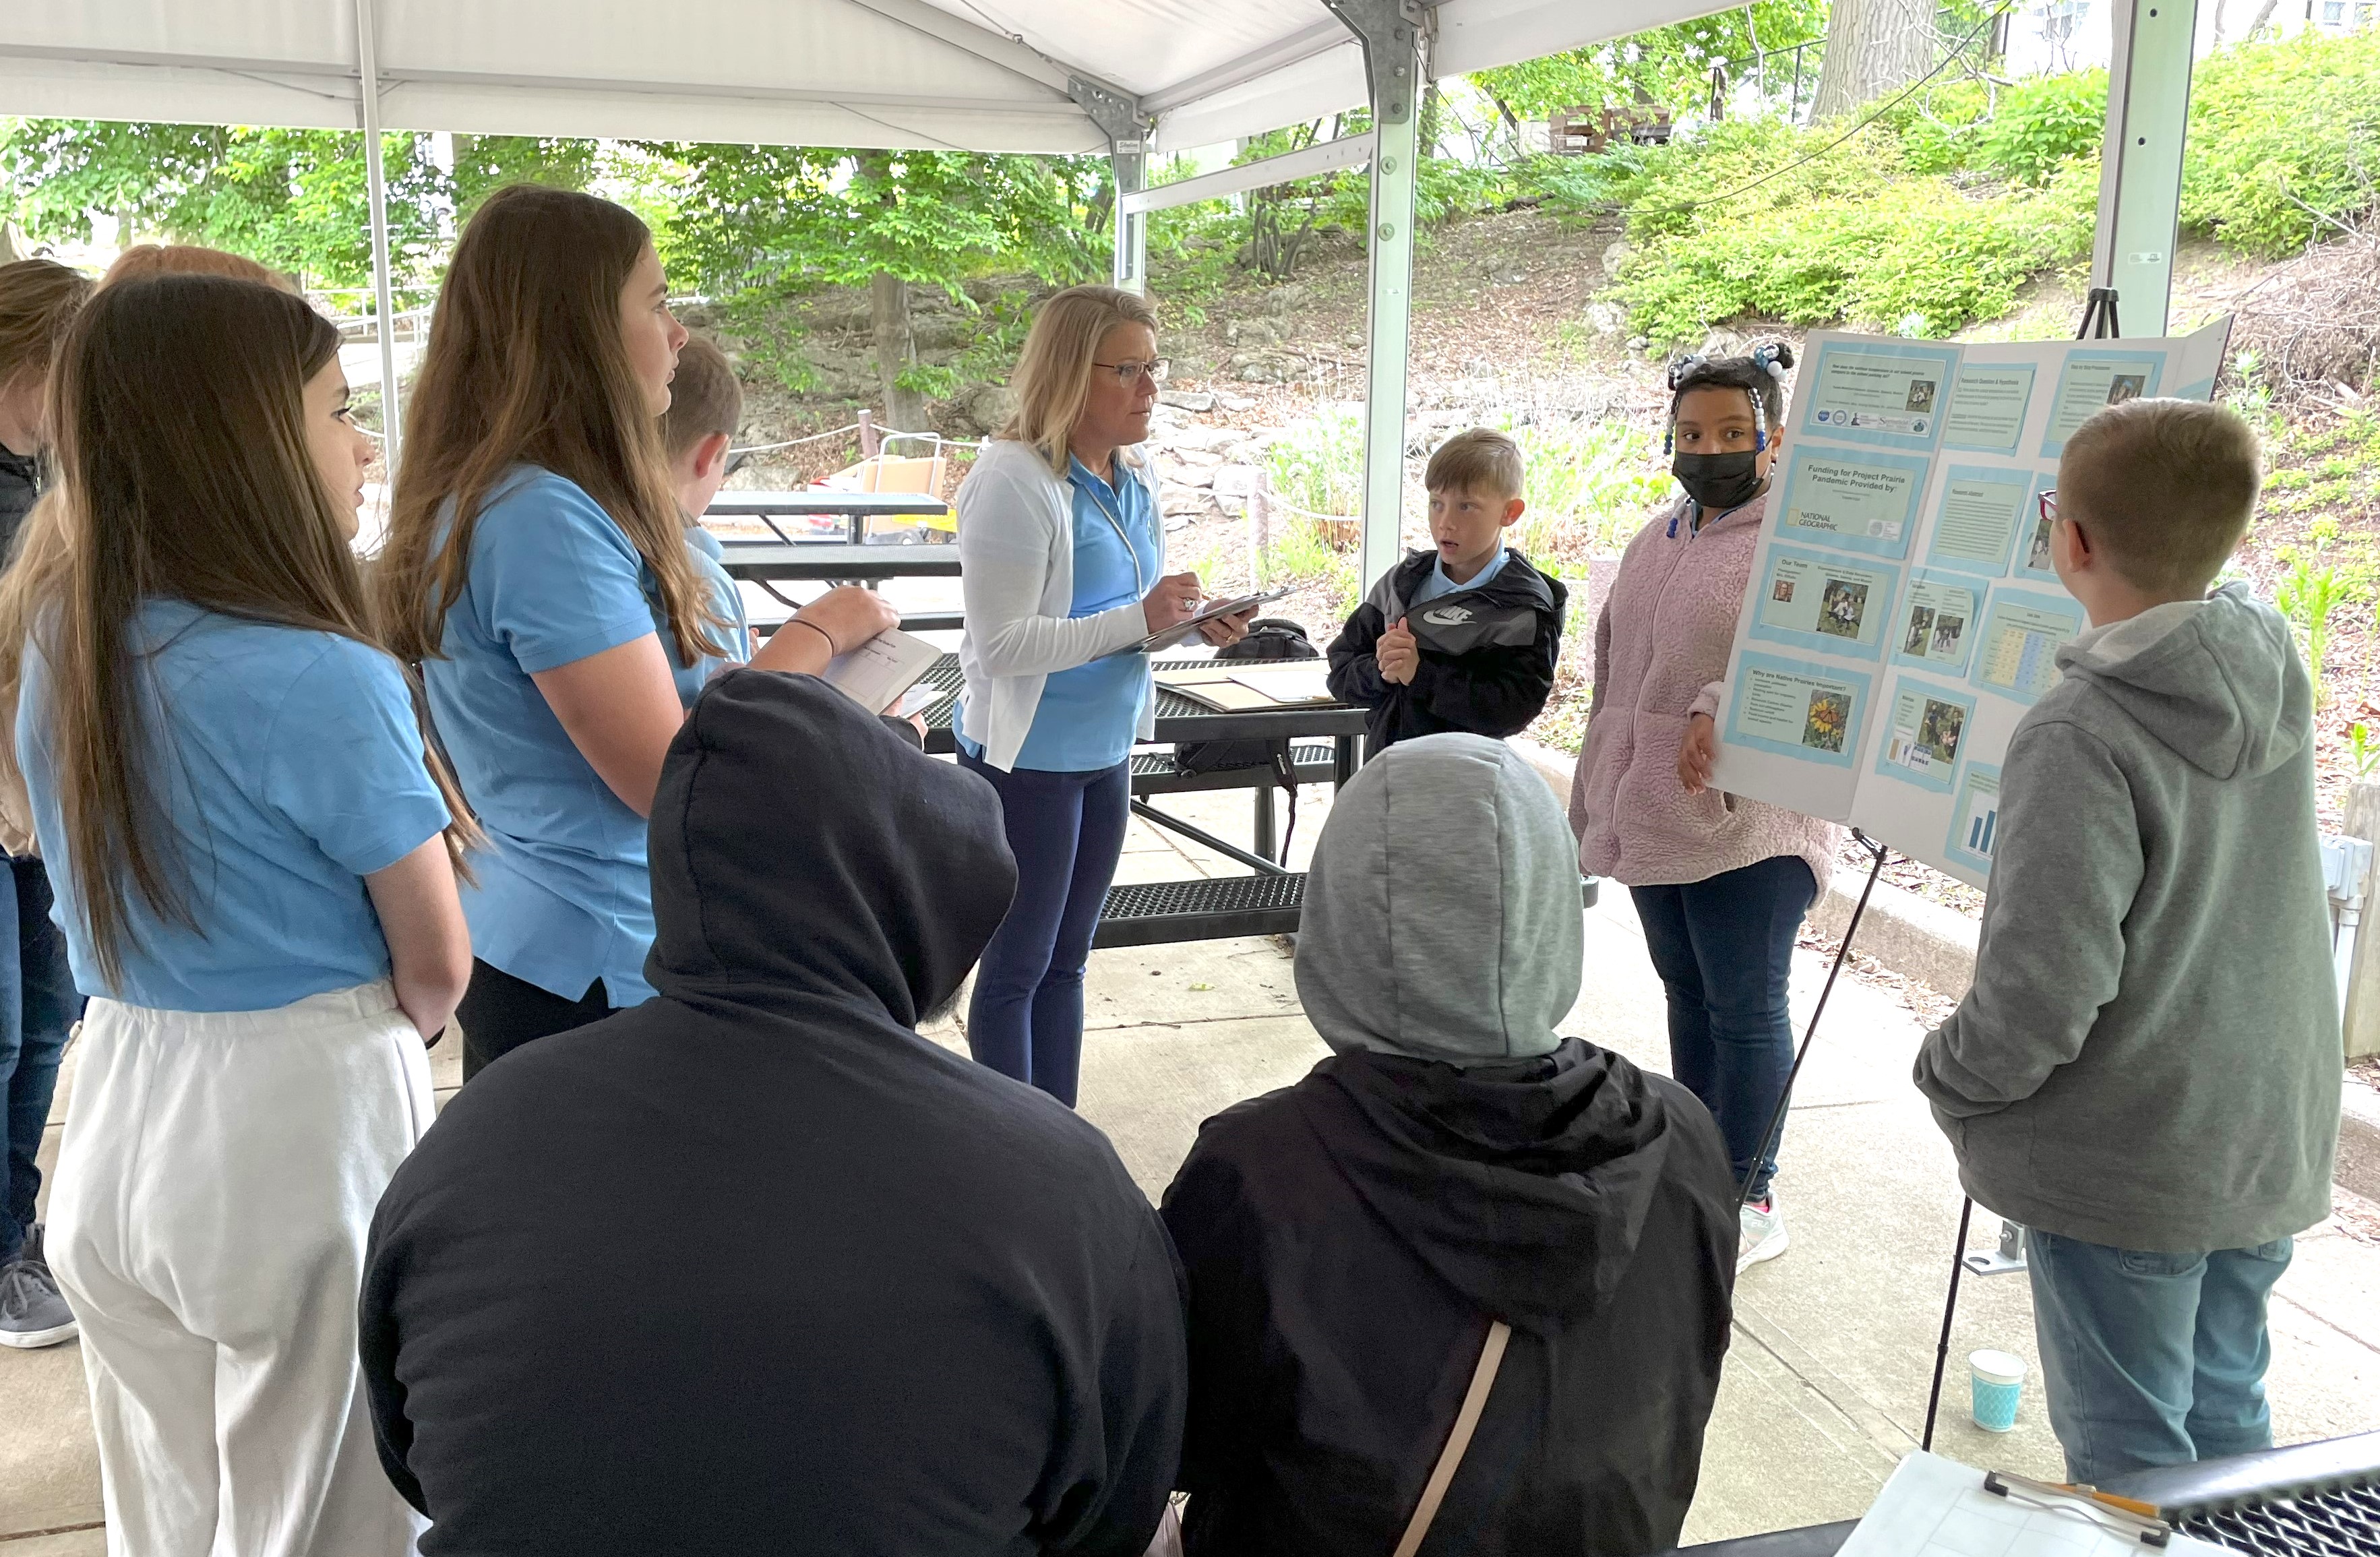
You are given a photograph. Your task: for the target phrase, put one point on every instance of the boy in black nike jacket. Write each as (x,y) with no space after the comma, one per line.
(1463,637)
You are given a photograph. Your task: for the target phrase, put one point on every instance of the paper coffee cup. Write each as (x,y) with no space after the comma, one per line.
(1998,1383)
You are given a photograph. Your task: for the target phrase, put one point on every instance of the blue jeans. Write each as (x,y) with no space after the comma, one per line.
(2152,1359)
(1066,831)
(38,1004)
(1724,949)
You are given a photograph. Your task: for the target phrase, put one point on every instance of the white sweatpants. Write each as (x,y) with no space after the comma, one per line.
(212,1195)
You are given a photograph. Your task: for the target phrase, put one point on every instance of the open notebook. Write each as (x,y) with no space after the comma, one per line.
(1252,687)
(876,674)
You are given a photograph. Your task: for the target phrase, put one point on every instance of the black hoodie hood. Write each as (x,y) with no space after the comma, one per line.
(1523,1185)
(802,851)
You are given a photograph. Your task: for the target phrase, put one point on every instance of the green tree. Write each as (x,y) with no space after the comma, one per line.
(295,199)
(1670,66)
(764,222)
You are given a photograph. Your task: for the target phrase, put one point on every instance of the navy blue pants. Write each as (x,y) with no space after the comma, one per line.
(38,1004)
(1724,948)
(1066,831)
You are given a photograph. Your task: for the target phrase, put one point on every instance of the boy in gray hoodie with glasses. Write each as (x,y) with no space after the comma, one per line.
(2146,1071)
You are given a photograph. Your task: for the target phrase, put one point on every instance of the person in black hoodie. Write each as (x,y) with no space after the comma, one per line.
(849,1293)
(1350,1239)
(1463,636)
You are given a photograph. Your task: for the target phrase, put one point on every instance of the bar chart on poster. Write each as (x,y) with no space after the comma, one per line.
(1902,612)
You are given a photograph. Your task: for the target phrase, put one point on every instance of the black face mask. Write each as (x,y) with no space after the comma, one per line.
(1718,482)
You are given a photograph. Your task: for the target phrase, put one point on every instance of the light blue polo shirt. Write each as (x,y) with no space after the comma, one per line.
(289,765)
(563,897)
(704,550)
(1088,716)
(1435,583)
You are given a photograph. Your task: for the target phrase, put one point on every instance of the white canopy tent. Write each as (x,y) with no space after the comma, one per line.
(1124,77)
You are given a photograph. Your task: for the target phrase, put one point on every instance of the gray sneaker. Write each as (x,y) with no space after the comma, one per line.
(33,1313)
(1762,1224)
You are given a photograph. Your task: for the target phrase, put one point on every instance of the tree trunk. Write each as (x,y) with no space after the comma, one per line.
(1873,47)
(896,347)
(2264,15)
(9,254)
(888,310)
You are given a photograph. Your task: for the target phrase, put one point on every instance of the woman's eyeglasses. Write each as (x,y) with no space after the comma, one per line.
(1129,374)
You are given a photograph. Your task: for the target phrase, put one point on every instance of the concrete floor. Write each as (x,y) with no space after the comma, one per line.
(1825,1382)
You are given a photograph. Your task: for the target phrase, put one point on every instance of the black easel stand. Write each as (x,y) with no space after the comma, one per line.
(2099,316)
(1777,1115)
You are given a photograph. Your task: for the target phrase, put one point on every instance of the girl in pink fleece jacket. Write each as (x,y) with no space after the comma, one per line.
(1721,883)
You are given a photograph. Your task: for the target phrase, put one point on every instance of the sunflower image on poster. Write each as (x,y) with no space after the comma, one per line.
(1830,715)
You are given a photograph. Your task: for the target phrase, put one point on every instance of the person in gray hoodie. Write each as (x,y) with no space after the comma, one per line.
(1349,1240)
(2146,1071)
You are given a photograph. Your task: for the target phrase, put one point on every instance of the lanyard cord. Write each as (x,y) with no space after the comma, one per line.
(1695,527)
(1139,580)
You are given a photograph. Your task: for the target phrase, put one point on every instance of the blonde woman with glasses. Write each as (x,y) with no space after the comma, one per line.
(1063,554)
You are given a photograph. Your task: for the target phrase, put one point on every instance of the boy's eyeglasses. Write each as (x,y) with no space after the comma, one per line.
(2048,502)
(1129,374)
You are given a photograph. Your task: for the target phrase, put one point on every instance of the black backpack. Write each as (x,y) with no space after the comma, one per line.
(1269,638)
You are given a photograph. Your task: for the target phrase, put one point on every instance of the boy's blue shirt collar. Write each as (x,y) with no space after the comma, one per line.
(1435,583)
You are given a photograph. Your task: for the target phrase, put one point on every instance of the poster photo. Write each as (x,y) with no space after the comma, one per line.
(1902,616)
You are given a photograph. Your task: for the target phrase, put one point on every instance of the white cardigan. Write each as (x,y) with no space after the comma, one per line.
(1016,574)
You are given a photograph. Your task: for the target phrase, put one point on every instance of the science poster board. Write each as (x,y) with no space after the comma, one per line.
(1902,614)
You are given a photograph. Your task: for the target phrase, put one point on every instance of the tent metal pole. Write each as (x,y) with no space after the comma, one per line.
(376,179)
(1392,32)
(1119,118)
(1131,268)
(2140,170)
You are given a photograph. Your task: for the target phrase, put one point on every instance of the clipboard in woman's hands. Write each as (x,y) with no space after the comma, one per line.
(1213,611)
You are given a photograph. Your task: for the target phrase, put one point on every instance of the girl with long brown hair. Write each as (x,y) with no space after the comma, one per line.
(251,851)
(537,569)
(38,1004)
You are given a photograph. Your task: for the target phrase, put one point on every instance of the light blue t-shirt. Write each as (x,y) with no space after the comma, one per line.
(1089,716)
(704,550)
(1435,583)
(289,765)
(562,898)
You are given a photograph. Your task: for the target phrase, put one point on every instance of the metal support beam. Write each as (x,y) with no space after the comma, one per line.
(1392,35)
(1118,118)
(2139,171)
(1327,156)
(383,288)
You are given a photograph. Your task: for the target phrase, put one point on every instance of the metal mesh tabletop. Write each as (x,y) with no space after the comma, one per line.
(2345,1523)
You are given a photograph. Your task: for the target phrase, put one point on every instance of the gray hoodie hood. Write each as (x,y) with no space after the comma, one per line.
(1442,914)
(2210,680)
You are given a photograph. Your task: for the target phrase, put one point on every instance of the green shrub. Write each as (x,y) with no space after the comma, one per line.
(2282,134)
(1319,464)
(1590,484)
(2043,124)
(1904,249)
